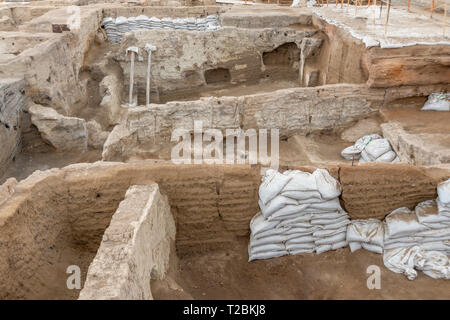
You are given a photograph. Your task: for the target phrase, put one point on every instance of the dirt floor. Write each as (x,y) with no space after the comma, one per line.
(26,163)
(331,275)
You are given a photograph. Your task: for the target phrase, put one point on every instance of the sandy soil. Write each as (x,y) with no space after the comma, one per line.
(331,275)
(26,163)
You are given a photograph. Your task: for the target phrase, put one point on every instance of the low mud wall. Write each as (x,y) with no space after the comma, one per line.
(212,206)
(135,248)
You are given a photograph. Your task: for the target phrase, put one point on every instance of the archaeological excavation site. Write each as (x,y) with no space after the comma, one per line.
(224,150)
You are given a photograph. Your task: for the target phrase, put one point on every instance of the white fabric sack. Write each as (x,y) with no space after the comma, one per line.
(427,212)
(272,184)
(401,260)
(329,205)
(387,157)
(294,219)
(436,246)
(327,233)
(266,255)
(328,187)
(437,102)
(275,204)
(365,157)
(294,252)
(302,239)
(259,224)
(338,245)
(288,212)
(300,181)
(443,209)
(271,232)
(366,231)
(312,196)
(330,215)
(267,248)
(323,248)
(298,246)
(443,190)
(354,246)
(332,239)
(315,221)
(351,153)
(402,222)
(378,147)
(299,230)
(335,225)
(278,239)
(372,247)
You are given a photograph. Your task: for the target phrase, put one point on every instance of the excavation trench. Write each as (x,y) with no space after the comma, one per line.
(56,219)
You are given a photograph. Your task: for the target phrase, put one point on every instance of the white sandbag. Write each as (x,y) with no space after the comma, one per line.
(434,233)
(271,232)
(443,209)
(298,246)
(366,231)
(401,260)
(259,224)
(300,181)
(312,196)
(436,246)
(338,245)
(305,224)
(396,245)
(354,246)
(365,157)
(294,219)
(387,157)
(327,233)
(298,230)
(362,142)
(315,221)
(330,215)
(288,212)
(351,153)
(335,225)
(272,184)
(443,190)
(277,239)
(267,255)
(275,204)
(378,147)
(301,239)
(402,222)
(427,212)
(329,205)
(294,252)
(332,239)
(328,187)
(295,3)
(437,102)
(267,248)
(372,247)
(323,248)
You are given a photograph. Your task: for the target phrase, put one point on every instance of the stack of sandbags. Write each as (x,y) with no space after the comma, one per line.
(423,227)
(300,213)
(406,259)
(116,28)
(369,148)
(438,101)
(367,234)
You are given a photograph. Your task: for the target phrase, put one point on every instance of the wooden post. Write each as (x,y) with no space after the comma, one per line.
(327,3)
(387,17)
(409,5)
(431,8)
(342,4)
(356,7)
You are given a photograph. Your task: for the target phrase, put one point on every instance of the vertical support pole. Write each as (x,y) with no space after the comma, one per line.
(134,51)
(342,4)
(149,48)
(381,7)
(409,5)
(431,8)
(387,17)
(356,8)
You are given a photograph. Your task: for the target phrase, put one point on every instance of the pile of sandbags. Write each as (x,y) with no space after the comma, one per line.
(370,148)
(424,227)
(300,213)
(421,238)
(116,28)
(367,234)
(438,101)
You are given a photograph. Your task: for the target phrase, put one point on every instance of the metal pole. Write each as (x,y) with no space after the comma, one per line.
(149,48)
(134,51)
